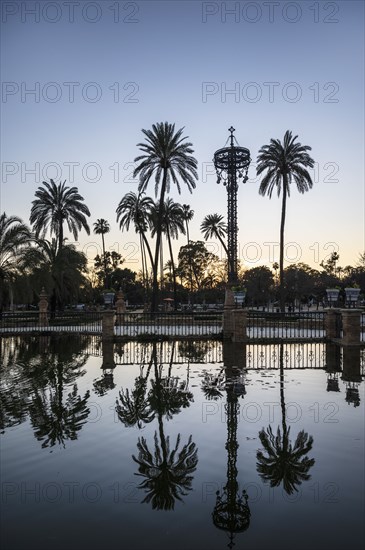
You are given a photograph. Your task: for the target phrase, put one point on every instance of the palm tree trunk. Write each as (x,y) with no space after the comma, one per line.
(224,247)
(282,225)
(158,241)
(105,275)
(173,268)
(60,235)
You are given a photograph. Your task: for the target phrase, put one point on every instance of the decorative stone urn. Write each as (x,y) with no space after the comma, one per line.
(332,295)
(108,298)
(239,297)
(352,296)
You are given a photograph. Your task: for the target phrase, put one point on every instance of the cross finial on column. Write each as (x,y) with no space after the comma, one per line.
(231,129)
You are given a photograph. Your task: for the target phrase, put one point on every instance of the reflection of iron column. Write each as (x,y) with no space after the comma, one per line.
(231,512)
(231,163)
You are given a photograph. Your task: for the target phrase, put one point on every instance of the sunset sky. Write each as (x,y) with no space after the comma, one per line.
(81,79)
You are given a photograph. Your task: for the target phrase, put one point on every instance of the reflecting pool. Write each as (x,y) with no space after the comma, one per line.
(183,445)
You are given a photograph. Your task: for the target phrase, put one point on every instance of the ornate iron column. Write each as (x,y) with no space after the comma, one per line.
(231,163)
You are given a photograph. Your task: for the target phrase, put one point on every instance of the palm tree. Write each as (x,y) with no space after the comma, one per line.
(214,226)
(284,162)
(136,209)
(172,224)
(15,237)
(167,157)
(101,227)
(56,204)
(188,216)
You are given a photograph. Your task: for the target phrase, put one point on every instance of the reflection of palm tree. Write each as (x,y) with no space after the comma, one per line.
(284,462)
(43,377)
(194,351)
(167,471)
(55,421)
(213,385)
(134,408)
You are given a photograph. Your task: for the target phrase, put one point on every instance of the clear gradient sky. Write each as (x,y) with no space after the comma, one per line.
(102,71)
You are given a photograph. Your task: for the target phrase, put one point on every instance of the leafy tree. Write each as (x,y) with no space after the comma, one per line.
(107,264)
(259,283)
(196,257)
(167,157)
(283,164)
(56,204)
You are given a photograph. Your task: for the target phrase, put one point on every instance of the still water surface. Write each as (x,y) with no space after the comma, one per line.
(183,445)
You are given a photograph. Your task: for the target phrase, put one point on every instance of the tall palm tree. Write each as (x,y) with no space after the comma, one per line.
(214,226)
(284,163)
(56,204)
(167,157)
(101,227)
(172,224)
(15,237)
(136,209)
(188,216)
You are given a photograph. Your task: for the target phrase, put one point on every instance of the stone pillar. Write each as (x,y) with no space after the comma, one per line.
(351,326)
(330,324)
(121,308)
(43,306)
(108,325)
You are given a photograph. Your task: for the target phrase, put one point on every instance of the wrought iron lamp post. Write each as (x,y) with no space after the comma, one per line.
(231,163)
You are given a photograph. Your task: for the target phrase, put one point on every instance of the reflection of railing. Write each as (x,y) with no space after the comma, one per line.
(133,325)
(295,356)
(270,325)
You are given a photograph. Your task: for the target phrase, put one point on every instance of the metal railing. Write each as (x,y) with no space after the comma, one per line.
(263,325)
(60,321)
(179,325)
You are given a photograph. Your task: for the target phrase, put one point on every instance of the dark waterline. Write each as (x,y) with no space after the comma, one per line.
(184,445)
